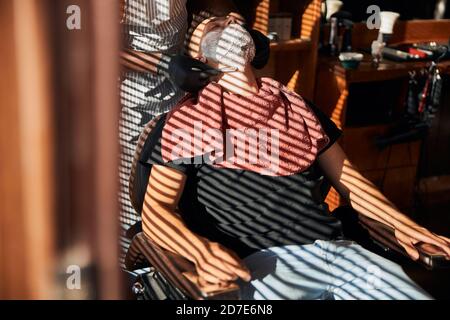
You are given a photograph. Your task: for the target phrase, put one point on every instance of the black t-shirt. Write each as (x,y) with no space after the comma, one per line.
(246,211)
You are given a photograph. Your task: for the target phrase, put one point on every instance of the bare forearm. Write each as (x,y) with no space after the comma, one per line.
(140,61)
(359,192)
(164,226)
(365,198)
(369,201)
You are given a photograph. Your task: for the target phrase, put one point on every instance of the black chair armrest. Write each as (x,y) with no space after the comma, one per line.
(179,271)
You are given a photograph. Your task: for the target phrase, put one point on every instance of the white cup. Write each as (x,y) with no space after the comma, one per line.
(333,6)
(388,19)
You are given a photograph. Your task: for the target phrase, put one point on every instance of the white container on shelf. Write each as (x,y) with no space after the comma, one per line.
(388,19)
(332,6)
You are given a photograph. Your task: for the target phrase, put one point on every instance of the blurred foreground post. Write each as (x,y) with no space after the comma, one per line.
(58,150)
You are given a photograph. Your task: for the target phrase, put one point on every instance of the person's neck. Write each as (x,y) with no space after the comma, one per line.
(240,82)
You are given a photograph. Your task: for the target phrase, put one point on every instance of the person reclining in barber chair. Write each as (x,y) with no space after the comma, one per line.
(239,175)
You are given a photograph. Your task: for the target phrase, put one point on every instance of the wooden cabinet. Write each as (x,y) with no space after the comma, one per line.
(394,168)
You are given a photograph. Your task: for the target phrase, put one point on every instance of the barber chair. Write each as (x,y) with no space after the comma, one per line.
(171,275)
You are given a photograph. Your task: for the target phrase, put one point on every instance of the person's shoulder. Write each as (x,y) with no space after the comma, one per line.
(204,107)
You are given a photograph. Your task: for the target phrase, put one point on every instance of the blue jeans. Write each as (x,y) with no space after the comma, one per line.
(326,270)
